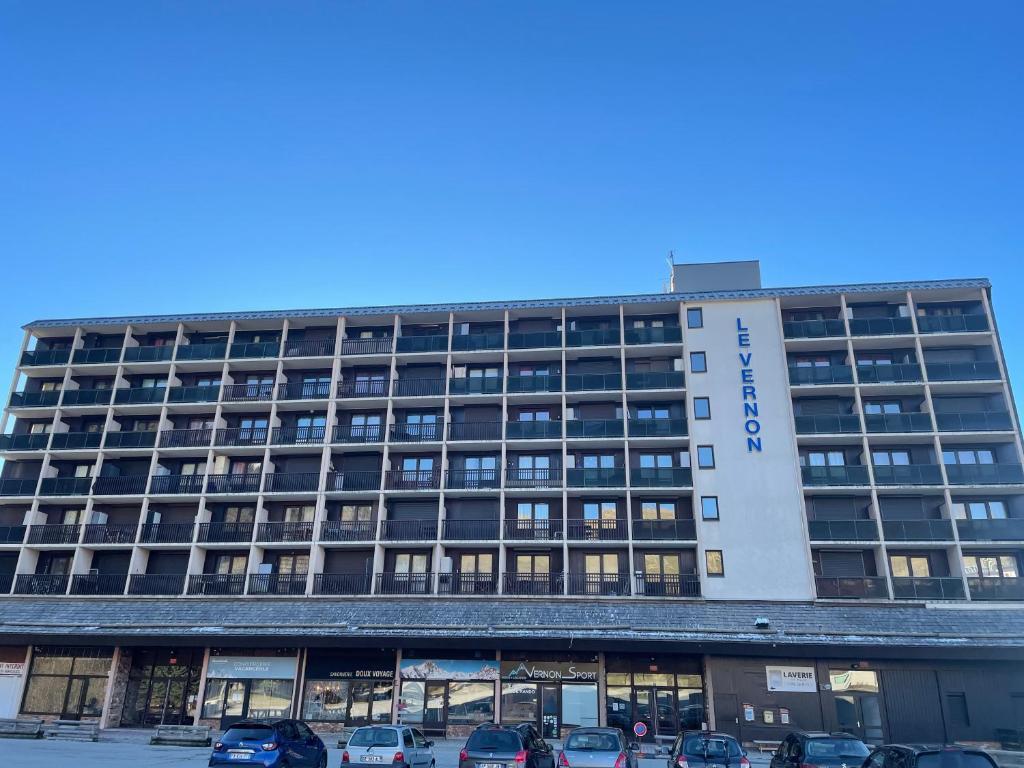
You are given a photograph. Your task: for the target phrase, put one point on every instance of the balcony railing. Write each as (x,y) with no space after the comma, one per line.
(475,385)
(110,533)
(75,440)
(986,588)
(377,346)
(96,355)
(669,334)
(418,433)
(664,530)
(885,374)
(35,399)
(53,534)
(594,428)
(167,533)
(593,382)
(667,585)
(597,530)
(298,435)
(917,530)
(1008,529)
(880,326)
(851,587)
(364,388)
(656,427)
(99,584)
(820,374)
(655,380)
(472,478)
(122,485)
(309,348)
(250,393)
(348,530)
(86,397)
(45,356)
(908,474)
(41,584)
(598,584)
(156,584)
(813,329)
(149,354)
(65,486)
(175,484)
(253,349)
(973,371)
(422,344)
(467,584)
(535,340)
(846,474)
(470,530)
(661,477)
(533,530)
(524,584)
(242,436)
(978,421)
(473,341)
(927,588)
(827,424)
(596,477)
(842,530)
(951,323)
(408,530)
(277,583)
(233,483)
(304,390)
(474,430)
(216,584)
(214,351)
(25,442)
(412,479)
(292,482)
(139,395)
(525,384)
(341,584)
(534,478)
(185,438)
(898,422)
(141,438)
(357,480)
(533,430)
(984,474)
(225,533)
(358,433)
(597,337)
(206,393)
(12,534)
(418,388)
(18,486)
(405,583)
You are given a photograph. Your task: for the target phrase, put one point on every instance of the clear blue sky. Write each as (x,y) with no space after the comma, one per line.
(178,156)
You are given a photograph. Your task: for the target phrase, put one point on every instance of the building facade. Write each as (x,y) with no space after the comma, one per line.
(754,508)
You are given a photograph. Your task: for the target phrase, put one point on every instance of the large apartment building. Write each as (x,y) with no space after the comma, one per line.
(754,508)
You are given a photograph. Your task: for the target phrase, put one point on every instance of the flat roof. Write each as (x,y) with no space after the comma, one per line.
(648,298)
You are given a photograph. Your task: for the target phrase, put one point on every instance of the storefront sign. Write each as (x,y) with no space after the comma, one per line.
(748,390)
(332,666)
(563,671)
(251,668)
(748,712)
(449,669)
(11,668)
(796,679)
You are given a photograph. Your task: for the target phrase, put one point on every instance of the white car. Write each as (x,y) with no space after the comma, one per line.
(388,746)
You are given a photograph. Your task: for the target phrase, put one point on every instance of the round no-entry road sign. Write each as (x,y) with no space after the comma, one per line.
(640,729)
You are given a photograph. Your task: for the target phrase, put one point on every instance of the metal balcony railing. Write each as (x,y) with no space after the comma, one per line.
(99,584)
(472,478)
(348,530)
(242,436)
(355,480)
(984,474)
(461,583)
(534,430)
(41,584)
(987,588)
(667,585)
(378,346)
(216,584)
(601,477)
(65,486)
(24,442)
(470,530)
(75,440)
(813,329)
(252,349)
(474,430)
(951,323)
(851,587)
(364,388)
(292,482)
(661,477)
(597,530)
(256,392)
(887,374)
(53,534)
(298,435)
(277,583)
(142,438)
(417,433)
(908,474)
(156,584)
(225,533)
(543,477)
(233,483)
(358,433)
(177,484)
(669,334)
(149,354)
(74,397)
(664,530)
(517,385)
(140,395)
(917,530)
(533,530)
(123,485)
(1008,529)
(185,438)
(45,356)
(971,371)
(655,380)
(594,428)
(820,374)
(18,486)
(535,340)
(475,385)
(418,388)
(304,390)
(978,421)
(475,341)
(110,533)
(214,351)
(842,530)
(598,584)
(657,427)
(405,583)
(927,588)
(96,355)
(408,530)
(597,337)
(880,326)
(35,399)
(309,348)
(844,474)
(525,584)
(12,534)
(166,533)
(206,393)
(593,382)
(341,584)
(898,422)
(827,424)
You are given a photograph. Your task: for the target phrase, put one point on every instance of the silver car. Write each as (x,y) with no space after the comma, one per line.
(388,746)
(598,748)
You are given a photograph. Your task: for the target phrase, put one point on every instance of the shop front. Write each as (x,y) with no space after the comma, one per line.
(162,687)
(240,687)
(348,689)
(557,694)
(447,696)
(67,683)
(664,693)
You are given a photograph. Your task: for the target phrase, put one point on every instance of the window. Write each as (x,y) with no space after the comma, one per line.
(979,510)
(292,565)
(655,460)
(229,564)
(969,456)
(705,457)
(534,415)
(702,407)
(476,562)
(993,566)
(883,406)
(709,507)
(604,565)
(893,458)
(909,566)
(470,703)
(356,513)
(657,510)
(695,317)
(715,563)
(597,461)
(533,564)
(661,564)
(70,683)
(533,511)
(698,362)
(299,514)
(410,563)
(652,412)
(823,459)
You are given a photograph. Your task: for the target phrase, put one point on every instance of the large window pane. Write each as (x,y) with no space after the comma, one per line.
(618,706)
(518,702)
(213,702)
(95,692)
(579,705)
(382,695)
(270,698)
(51,665)
(410,705)
(326,700)
(470,703)
(45,695)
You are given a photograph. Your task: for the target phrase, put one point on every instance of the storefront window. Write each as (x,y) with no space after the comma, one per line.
(382,695)
(249,686)
(470,703)
(659,691)
(579,705)
(326,701)
(270,698)
(213,702)
(163,687)
(410,709)
(67,682)
(519,702)
(355,689)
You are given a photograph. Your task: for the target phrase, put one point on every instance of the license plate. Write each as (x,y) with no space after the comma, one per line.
(239,755)
(371,759)
(490,765)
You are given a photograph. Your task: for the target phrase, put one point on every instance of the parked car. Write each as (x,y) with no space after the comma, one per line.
(928,756)
(495,746)
(397,746)
(598,748)
(817,749)
(706,749)
(270,744)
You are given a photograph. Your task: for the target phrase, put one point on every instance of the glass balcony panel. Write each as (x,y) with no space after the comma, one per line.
(661,477)
(472,478)
(842,530)
(521,384)
(215,351)
(850,474)
(664,530)
(18,486)
(86,397)
(65,486)
(978,421)
(24,442)
(887,374)
(471,530)
(149,354)
(976,371)
(813,329)
(365,388)
(669,334)
(898,422)
(292,482)
(12,534)
(533,430)
(908,474)
(139,395)
(474,430)
(255,349)
(928,588)
(996,589)
(418,388)
(592,338)
(917,530)
(478,385)
(34,399)
(596,478)
(475,341)
(880,326)
(657,427)
(96,355)
(820,374)
(422,344)
(196,394)
(851,587)
(667,585)
(130,439)
(535,340)
(309,348)
(592,382)
(655,380)
(594,428)
(304,390)
(1009,529)
(951,323)
(45,357)
(984,474)
(75,440)
(827,424)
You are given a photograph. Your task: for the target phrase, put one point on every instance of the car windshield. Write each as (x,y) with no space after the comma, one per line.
(711,746)
(954,759)
(836,748)
(593,742)
(249,733)
(493,741)
(374,737)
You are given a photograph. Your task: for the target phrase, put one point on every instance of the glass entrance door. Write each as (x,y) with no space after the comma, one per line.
(73,698)
(434,707)
(549,712)
(234,703)
(858,703)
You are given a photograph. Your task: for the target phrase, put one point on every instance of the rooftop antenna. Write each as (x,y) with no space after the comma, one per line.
(666,287)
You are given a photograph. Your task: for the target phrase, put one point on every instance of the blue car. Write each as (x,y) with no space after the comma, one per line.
(271,744)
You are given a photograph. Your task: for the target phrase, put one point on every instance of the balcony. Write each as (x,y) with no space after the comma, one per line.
(96,355)
(594,428)
(889,374)
(917,530)
(418,388)
(233,483)
(540,477)
(364,388)
(598,584)
(418,433)
(844,474)
(185,438)
(527,584)
(657,427)
(800,375)
(12,534)
(309,348)
(176,484)
(121,485)
(405,583)
(412,480)
(535,340)
(110,533)
(597,530)
(533,430)
(951,323)
(208,393)
(474,430)
(978,421)
(65,486)
(354,481)
(467,584)
(844,587)
(45,399)
(669,334)
(422,344)
(596,477)
(827,424)
(660,477)
(241,436)
(813,329)
(348,530)
(74,397)
(408,530)
(472,479)
(149,354)
(53,534)
(894,423)
(928,588)
(378,346)
(471,342)
(225,533)
(976,371)
(907,474)
(140,395)
(247,393)
(304,390)
(99,584)
(533,530)
(277,583)
(292,482)
(41,584)
(216,584)
(25,442)
(593,382)
(475,385)
(63,441)
(664,530)
(6,583)
(598,337)
(358,433)
(131,439)
(18,486)
(215,351)
(842,530)
(880,326)
(667,585)
(984,474)
(1008,529)
(298,435)
(470,530)
(518,385)
(45,357)
(655,380)
(255,349)
(985,588)
(341,584)
(167,533)
(156,584)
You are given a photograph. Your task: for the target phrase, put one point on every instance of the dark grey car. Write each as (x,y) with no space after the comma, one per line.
(598,748)
(706,749)
(493,746)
